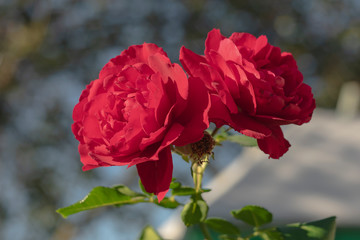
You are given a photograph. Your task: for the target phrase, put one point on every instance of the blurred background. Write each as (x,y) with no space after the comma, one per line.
(50,50)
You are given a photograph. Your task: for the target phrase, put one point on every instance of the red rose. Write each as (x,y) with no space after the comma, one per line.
(140,105)
(254,87)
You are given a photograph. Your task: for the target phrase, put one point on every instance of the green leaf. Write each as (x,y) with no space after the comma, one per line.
(253,215)
(183,191)
(255,238)
(227,237)
(242,140)
(127,191)
(143,189)
(318,230)
(99,197)
(219,138)
(174,184)
(271,234)
(205,190)
(194,212)
(222,226)
(168,203)
(149,233)
(185,158)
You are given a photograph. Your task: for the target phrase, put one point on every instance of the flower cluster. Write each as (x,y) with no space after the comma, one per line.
(142,104)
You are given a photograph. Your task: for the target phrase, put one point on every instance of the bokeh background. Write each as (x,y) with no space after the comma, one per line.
(49,51)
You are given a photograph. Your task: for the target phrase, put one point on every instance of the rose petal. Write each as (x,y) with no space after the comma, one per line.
(218,83)
(195,117)
(191,61)
(168,71)
(240,122)
(275,145)
(156,175)
(245,95)
(229,51)
(243,39)
(262,48)
(133,55)
(151,152)
(89,163)
(212,41)
(217,61)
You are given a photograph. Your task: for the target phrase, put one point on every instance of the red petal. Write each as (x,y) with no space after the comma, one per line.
(156,175)
(219,113)
(275,145)
(157,144)
(195,117)
(240,122)
(219,62)
(78,111)
(134,54)
(96,89)
(229,51)
(162,64)
(191,61)
(212,41)
(170,136)
(260,44)
(245,95)
(85,158)
(243,40)
(249,126)
(91,128)
(219,85)
(149,49)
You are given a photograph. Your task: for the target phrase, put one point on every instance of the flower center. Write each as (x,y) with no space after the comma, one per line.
(202,148)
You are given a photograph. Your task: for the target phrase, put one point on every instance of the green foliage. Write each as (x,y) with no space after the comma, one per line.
(318,230)
(203,190)
(149,233)
(258,216)
(222,226)
(185,158)
(183,191)
(271,234)
(253,215)
(168,203)
(143,189)
(194,212)
(127,191)
(179,190)
(240,139)
(100,197)
(117,196)
(174,184)
(227,237)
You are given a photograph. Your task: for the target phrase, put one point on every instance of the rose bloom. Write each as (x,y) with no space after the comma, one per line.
(140,105)
(255,88)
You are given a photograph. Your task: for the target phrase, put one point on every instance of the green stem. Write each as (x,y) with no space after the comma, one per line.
(205,231)
(215,131)
(198,169)
(198,172)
